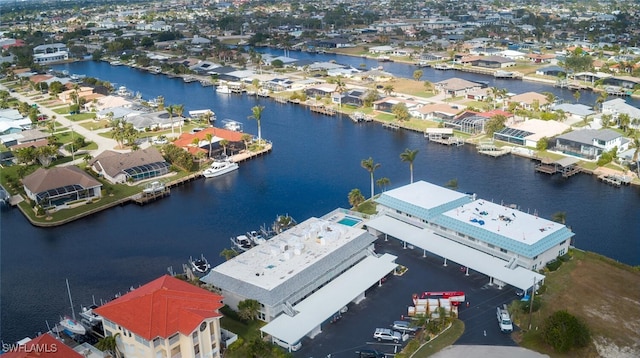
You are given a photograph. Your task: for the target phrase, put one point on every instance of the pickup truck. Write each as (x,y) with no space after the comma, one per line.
(504,319)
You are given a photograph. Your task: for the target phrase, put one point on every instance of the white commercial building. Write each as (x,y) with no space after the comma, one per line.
(501,242)
(305,275)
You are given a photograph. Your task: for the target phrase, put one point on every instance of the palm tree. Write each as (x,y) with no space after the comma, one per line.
(109,344)
(178,109)
(417,74)
(371,167)
(169,110)
(560,217)
(341,88)
(355,198)
(452,184)
(382,183)
(388,90)
(257,115)
(409,156)
(248,309)
(224,143)
(209,138)
(228,254)
(428,86)
(636,153)
(576,95)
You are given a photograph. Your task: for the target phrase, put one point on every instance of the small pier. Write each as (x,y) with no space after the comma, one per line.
(615,180)
(246,155)
(490,149)
(391,125)
(443,136)
(145,198)
(323,110)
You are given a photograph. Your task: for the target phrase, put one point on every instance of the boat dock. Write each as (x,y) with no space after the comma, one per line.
(246,155)
(144,197)
(322,109)
(615,180)
(391,125)
(566,166)
(443,136)
(490,149)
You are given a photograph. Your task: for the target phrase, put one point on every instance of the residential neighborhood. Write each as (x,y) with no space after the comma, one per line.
(75,147)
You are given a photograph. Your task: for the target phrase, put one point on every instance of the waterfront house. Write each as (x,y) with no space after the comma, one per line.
(492,62)
(504,243)
(456,87)
(50,53)
(57,187)
(155,120)
(552,70)
(28,136)
(575,110)
(541,57)
(590,143)
(166,317)
(618,106)
(626,82)
(322,90)
(43,346)
(468,122)
(185,141)
(133,166)
(528,133)
(386,104)
(435,112)
(529,100)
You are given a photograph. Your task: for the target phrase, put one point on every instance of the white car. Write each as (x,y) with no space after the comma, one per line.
(160,140)
(386,334)
(403,327)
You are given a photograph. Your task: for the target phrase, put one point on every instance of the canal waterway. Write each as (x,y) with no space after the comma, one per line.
(314,164)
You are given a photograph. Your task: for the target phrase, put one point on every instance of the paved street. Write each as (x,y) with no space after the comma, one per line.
(389,302)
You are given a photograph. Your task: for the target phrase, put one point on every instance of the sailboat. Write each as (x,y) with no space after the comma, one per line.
(70,324)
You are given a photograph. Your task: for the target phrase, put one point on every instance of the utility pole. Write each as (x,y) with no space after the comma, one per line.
(533,294)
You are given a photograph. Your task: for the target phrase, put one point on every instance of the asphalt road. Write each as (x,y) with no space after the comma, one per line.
(388,302)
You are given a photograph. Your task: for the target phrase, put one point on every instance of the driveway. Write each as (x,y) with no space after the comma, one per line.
(389,302)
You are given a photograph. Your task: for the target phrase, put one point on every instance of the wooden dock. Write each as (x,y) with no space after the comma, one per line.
(391,125)
(144,198)
(490,149)
(323,110)
(443,136)
(246,155)
(615,180)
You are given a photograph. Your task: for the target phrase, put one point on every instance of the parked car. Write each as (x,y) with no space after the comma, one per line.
(386,334)
(160,140)
(403,327)
(370,353)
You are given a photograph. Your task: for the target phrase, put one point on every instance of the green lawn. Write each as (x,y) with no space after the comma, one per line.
(82,116)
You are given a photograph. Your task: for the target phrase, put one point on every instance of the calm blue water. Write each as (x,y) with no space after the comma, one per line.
(314,165)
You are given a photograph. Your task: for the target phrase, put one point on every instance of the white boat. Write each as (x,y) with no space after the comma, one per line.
(220,167)
(223,89)
(89,317)
(200,265)
(241,243)
(69,324)
(256,237)
(153,187)
(232,125)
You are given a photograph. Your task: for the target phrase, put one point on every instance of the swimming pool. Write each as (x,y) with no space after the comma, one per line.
(349,221)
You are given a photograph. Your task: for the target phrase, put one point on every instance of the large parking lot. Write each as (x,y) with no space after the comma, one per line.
(388,302)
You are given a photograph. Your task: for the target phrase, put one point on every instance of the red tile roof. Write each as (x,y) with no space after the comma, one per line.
(162,307)
(186,139)
(44,346)
(495,112)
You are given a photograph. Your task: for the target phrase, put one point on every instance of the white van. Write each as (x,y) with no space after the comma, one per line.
(290,347)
